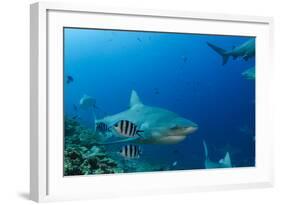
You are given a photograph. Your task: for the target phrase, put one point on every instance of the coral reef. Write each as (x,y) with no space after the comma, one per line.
(81,155)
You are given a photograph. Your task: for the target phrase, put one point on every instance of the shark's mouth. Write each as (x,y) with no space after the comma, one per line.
(190,130)
(178,131)
(173,136)
(179,134)
(171,139)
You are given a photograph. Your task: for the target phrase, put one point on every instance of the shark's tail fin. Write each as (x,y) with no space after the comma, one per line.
(205,149)
(226,161)
(221,52)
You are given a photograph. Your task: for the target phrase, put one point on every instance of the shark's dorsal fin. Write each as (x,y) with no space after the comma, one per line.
(226,161)
(134,100)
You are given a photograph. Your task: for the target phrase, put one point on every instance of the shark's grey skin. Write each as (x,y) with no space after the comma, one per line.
(249,74)
(245,50)
(159,126)
(223,163)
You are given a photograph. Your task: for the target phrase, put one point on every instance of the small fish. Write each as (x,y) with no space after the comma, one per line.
(139,39)
(184,58)
(126,128)
(102,127)
(156,91)
(175,163)
(69,79)
(131,151)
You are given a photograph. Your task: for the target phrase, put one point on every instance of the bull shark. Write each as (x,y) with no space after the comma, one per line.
(159,126)
(246,50)
(223,163)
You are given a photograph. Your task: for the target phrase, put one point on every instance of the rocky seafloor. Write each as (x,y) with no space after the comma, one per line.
(82,155)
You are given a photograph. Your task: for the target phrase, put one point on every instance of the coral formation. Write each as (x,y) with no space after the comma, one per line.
(81,155)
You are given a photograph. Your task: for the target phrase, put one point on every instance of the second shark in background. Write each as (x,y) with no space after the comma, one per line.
(245,51)
(222,163)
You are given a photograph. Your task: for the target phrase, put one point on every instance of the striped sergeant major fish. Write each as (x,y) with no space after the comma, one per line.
(126,128)
(130,151)
(102,127)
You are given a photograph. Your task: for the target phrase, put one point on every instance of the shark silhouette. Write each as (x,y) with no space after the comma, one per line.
(245,51)
(159,126)
(223,163)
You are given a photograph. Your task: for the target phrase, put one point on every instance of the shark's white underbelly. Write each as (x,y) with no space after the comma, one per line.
(162,140)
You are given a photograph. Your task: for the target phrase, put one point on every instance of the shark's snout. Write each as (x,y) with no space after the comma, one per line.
(191,129)
(183,131)
(183,126)
(174,134)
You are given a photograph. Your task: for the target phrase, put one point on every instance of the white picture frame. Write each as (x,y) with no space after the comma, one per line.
(46,145)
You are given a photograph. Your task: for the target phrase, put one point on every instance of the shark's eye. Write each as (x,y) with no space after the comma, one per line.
(174,127)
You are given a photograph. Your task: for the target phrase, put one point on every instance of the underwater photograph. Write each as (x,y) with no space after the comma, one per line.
(145,101)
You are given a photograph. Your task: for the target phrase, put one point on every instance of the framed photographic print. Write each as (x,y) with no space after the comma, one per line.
(123,97)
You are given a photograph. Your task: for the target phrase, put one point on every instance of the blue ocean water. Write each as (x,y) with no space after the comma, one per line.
(177,72)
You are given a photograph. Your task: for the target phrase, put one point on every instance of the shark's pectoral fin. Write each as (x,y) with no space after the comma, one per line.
(226,161)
